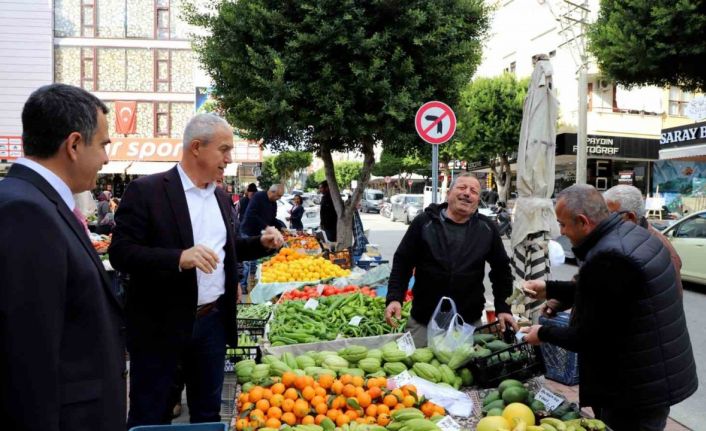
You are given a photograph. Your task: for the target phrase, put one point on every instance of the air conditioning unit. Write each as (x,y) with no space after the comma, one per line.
(604,85)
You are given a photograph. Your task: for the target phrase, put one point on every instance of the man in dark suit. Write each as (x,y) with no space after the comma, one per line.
(174,236)
(328,215)
(262,211)
(62,365)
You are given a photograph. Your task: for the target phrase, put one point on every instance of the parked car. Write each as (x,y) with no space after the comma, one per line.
(371,201)
(405,207)
(310,219)
(688,236)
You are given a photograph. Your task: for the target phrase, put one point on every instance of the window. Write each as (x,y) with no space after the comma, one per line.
(88,18)
(161,19)
(89,69)
(162,70)
(678,99)
(511,68)
(162,119)
(694,228)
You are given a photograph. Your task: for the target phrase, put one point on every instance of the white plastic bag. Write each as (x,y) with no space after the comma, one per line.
(448,336)
(556,253)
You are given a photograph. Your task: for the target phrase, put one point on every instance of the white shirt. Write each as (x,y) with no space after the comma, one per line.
(53,179)
(210,231)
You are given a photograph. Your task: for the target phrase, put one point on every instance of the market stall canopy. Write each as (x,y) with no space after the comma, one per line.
(115,167)
(148,168)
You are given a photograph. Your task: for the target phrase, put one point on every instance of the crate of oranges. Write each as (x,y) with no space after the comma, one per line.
(331,402)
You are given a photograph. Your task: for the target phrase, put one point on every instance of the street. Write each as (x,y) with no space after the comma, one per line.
(691,413)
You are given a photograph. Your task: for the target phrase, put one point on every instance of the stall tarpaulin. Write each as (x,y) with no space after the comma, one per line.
(534,219)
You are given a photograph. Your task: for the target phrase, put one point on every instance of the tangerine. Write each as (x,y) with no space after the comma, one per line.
(276,400)
(278,388)
(364,399)
(308,420)
(308,393)
(288,405)
(348,390)
(255,394)
(273,423)
(262,405)
(357,381)
(342,420)
(384,420)
(337,387)
(291,394)
(326,380)
(390,400)
(289,418)
(288,378)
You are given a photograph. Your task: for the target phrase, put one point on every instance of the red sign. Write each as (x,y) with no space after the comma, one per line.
(11,147)
(125,117)
(388,179)
(435,122)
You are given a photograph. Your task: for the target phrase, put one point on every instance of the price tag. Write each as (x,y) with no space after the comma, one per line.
(406,344)
(403,378)
(319,289)
(448,424)
(355,321)
(550,400)
(311,304)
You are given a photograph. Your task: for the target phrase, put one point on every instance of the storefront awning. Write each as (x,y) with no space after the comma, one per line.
(115,167)
(148,168)
(692,151)
(231,170)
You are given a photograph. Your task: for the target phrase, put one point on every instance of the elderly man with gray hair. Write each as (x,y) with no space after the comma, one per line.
(628,202)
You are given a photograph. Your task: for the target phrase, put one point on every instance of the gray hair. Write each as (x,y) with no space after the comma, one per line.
(629,198)
(463,175)
(276,188)
(584,199)
(202,127)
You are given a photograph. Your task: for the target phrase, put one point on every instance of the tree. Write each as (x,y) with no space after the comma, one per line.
(288,163)
(489,124)
(268,173)
(651,42)
(402,167)
(345,173)
(337,75)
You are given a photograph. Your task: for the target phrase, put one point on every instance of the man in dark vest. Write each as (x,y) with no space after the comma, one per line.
(627,325)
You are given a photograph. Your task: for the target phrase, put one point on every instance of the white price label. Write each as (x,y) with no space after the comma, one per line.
(406,344)
(311,304)
(319,289)
(355,321)
(549,399)
(403,378)
(448,424)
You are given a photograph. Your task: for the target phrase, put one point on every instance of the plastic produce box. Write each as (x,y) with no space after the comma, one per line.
(215,426)
(562,365)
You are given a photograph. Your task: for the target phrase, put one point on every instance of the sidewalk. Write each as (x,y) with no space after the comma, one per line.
(571,393)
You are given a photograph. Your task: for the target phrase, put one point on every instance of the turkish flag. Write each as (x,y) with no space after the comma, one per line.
(125,117)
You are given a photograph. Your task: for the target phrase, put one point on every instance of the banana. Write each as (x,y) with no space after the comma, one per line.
(520,424)
(548,427)
(593,424)
(556,423)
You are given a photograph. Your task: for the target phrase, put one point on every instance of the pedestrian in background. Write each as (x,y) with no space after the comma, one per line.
(327,212)
(62,365)
(296,213)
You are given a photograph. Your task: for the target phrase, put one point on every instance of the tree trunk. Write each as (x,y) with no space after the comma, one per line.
(503,177)
(344,228)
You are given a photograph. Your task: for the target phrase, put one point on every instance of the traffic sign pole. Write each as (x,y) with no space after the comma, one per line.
(434,172)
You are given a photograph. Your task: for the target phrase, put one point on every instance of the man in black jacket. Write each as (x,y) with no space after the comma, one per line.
(447,246)
(628,324)
(327,213)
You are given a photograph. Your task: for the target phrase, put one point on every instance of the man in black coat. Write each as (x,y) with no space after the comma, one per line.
(627,324)
(174,237)
(262,211)
(447,246)
(62,365)
(327,212)
(243,203)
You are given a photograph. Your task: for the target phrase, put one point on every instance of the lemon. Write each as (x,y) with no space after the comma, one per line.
(519,410)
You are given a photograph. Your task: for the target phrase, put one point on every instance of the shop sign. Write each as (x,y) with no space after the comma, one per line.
(686,135)
(609,146)
(600,146)
(168,149)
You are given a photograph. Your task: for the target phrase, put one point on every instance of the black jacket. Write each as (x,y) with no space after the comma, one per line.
(424,247)
(62,357)
(153,228)
(261,213)
(329,217)
(628,324)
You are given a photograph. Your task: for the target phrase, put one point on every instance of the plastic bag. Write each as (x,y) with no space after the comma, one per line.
(449,337)
(556,253)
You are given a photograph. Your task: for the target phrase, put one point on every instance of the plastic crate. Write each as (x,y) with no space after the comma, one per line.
(255,326)
(215,426)
(562,365)
(240,353)
(525,363)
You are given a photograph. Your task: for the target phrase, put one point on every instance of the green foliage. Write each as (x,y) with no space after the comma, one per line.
(490,117)
(289,162)
(391,164)
(268,173)
(345,173)
(651,42)
(335,74)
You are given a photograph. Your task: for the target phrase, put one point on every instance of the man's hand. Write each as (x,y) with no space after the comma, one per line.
(393,309)
(200,257)
(535,289)
(507,319)
(271,238)
(552,307)
(532,336)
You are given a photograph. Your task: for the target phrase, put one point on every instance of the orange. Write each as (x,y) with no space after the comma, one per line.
(408,401)
(255,394)
(247,406)
(364,399)
(440,410)
(337,387)
(308,420)
(427,408)
(370,420)
(278,388)
(383,409)
(360,420)
(291,393)
(288,405)
(320,391)
(321,408)
(308,393)
(263,405)
(372,382)
(241,424)
(273,423)
(375,392)
(399,406)
(390,400)
(352,414)
(276,400)
(274,412)
(359,390)
(348,390)
(319,418)
(267,394)
(243,398)
(300,382)
(342,420)
(289,418)
(409,389)
(317,400)
(384,420)
(339,402)
(372,410)
(357,381)
(301,408)
(288,378)
(257,418)
(382,381)
(326,380)
(346,379)
(398,393)
(333,414)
